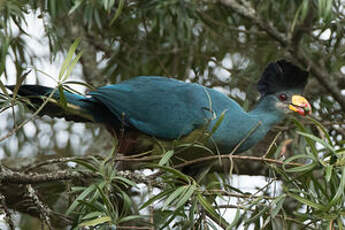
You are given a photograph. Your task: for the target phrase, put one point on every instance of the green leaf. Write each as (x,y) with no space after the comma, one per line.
(295,19)
(300,156)
(69,57)
(340,191)
(106,201)
(125,180)
(4,89)
(166,157)
(325,8)
(87,85)
(82,196)
(321,127)
(86,164)
(19,83)
(329,170)
(76,6)
(97,221)
(5,43)
(178,192)
(196,146)
(118,11)
(93,215)
(93,205)
(62,97)
(175,172)
(218,123)
(72,65)
(319,140)
(209,209)
(127,201)
(311,144)
(130,218)
(340,223)
(304,168)
(257,215)
(235,220)
(278,202)
(190,190)
(304,9)
(157,197)
(307,202)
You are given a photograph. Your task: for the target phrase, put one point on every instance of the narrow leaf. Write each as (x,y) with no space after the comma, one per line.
(235,220)
(72,65)
(340,191)
(68,58)
(82,196)
(118,11)
(125,180)
(177,173)
(166,157)
(257,215)
(178,192)
(210,210)
(130,218)
(191,189)
(62,97)
(97,221)
(329,170)
(278,205)
(304,168)
(157,197)
(316,139)
(307,202)
(219,122)
(19,83)
(93,215)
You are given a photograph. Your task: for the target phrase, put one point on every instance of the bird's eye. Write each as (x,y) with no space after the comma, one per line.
(283,97)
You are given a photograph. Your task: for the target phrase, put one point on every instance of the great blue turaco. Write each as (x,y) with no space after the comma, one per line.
(164,109)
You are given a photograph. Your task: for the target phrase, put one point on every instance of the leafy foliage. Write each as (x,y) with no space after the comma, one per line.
(214,43)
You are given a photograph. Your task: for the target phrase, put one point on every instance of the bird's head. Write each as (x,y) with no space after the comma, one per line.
(284,82)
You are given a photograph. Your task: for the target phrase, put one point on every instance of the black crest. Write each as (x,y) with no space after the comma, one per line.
(281,75)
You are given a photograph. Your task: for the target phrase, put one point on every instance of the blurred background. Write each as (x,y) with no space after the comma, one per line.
(221,44)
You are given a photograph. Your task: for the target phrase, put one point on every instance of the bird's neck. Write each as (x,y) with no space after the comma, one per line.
(267,113)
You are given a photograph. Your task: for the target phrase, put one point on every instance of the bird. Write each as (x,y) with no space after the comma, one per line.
(145,110)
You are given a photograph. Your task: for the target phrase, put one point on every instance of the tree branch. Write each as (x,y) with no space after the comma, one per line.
(44,211)
(247,11)
(295,51)
(11,177)
(322,76)
(8,216)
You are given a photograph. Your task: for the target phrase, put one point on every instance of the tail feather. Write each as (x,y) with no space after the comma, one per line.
(77,107)
(32,90)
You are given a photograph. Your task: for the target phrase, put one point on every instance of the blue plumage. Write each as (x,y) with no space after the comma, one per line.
(163,107)
(169,109)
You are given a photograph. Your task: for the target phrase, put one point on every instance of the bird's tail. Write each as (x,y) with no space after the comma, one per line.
(71,106)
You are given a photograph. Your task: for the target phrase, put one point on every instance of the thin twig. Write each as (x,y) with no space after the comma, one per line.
(8,216)
(53,161)
(251,131)
(238,157)
(10,177)
(232,194)
(202,159)
(272,144)
(42,208)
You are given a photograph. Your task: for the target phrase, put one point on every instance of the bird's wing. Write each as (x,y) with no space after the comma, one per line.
(161,107)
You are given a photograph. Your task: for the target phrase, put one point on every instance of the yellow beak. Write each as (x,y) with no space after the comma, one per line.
(300,105)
